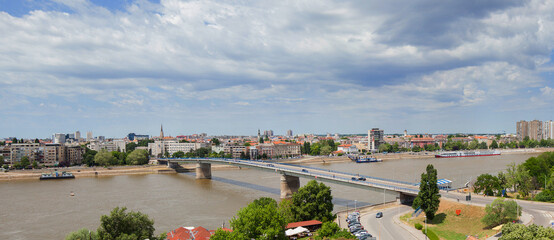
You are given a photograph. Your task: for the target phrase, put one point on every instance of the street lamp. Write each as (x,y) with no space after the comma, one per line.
(355,206)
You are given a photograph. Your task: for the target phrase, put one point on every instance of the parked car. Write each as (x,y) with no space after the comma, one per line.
(379,215)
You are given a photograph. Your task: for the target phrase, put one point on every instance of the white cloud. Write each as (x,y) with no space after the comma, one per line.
(282,58)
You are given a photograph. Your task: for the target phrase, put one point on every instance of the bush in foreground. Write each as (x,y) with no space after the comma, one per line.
(514,231)
(418,226)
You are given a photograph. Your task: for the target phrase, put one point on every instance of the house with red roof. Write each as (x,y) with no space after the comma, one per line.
(192,233)
(311,225)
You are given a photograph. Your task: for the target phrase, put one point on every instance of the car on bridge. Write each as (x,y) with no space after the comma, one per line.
(361,178)
(304,170)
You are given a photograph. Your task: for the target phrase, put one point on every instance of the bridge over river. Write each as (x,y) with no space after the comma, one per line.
(290,175)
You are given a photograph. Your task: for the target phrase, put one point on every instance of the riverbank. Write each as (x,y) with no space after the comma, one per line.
(79,172)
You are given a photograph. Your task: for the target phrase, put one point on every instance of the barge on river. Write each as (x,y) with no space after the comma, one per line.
(56,175)
(467,154)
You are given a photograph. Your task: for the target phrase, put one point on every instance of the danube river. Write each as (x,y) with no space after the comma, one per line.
(34,209)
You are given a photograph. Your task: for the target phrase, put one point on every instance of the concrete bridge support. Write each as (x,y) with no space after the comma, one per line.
(405,198)
(203,171)
(289,185)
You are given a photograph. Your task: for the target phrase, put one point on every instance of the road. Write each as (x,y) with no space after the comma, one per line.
(386,228)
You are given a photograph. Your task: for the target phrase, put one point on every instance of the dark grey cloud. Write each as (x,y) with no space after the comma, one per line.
(434,24)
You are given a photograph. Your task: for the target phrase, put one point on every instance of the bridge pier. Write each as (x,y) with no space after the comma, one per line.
(289,185)
(405,198)
(203,171)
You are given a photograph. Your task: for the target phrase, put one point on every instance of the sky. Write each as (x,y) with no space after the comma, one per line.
(233,67)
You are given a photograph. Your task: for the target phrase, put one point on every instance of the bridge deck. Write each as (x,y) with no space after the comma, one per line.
(331,176)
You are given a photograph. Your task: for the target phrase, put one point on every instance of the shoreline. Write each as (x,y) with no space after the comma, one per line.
(80,172)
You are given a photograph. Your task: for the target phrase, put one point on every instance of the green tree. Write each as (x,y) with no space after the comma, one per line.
(473,144)
(488,184)
(259,220)
(306,149)
(221,234)
(285,210)
(327,229)
(524,181)
(178,154)
(88,157)
(494,144)
(315,150)
(326,150)
(36,140)
(137,157)
(216,141)
(129,147)
(500,211)
(313,201)
(1,159)
(119,158)
(125,225)
(428,197)
(144,142)
(24,162)
(103,158)
(82,234)
(35,164)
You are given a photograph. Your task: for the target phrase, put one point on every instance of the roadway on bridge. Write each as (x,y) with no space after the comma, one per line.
(316,173)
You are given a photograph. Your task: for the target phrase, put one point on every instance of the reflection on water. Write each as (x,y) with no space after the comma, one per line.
(174,200)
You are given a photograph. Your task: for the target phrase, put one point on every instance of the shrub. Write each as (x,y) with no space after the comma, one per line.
(418,226)
(544,196)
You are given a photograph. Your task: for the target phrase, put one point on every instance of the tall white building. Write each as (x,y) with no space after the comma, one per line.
(375,138)
(59,138)
(77,135)
(548,130)
(89,136)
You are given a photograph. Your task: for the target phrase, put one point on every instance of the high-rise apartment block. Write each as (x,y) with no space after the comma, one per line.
(89,136)
(268,133)
(77,135)
(535,130)
(375,138)
(289,133)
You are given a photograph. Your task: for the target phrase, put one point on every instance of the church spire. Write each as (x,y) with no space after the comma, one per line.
(162,132)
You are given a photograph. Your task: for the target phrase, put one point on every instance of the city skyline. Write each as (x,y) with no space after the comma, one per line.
(228,68)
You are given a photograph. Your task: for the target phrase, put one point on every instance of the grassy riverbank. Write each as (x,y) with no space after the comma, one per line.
(447,225)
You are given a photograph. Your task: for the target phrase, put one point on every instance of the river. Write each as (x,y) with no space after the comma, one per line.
(33,209)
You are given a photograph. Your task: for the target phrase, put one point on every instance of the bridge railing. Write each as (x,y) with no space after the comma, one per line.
(327,173)
(347,173)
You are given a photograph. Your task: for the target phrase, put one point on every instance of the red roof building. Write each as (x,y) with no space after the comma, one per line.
(197,233)
(307,224)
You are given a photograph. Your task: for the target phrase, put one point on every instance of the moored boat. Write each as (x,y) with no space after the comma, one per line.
(56,175)
(467,154)
(359,159)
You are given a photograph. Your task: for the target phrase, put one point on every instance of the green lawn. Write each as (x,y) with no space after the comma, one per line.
(447,225)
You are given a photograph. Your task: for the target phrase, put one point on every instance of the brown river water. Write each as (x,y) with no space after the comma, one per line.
(33,209)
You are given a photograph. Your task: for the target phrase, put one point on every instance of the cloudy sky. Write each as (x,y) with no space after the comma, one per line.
(231,67)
